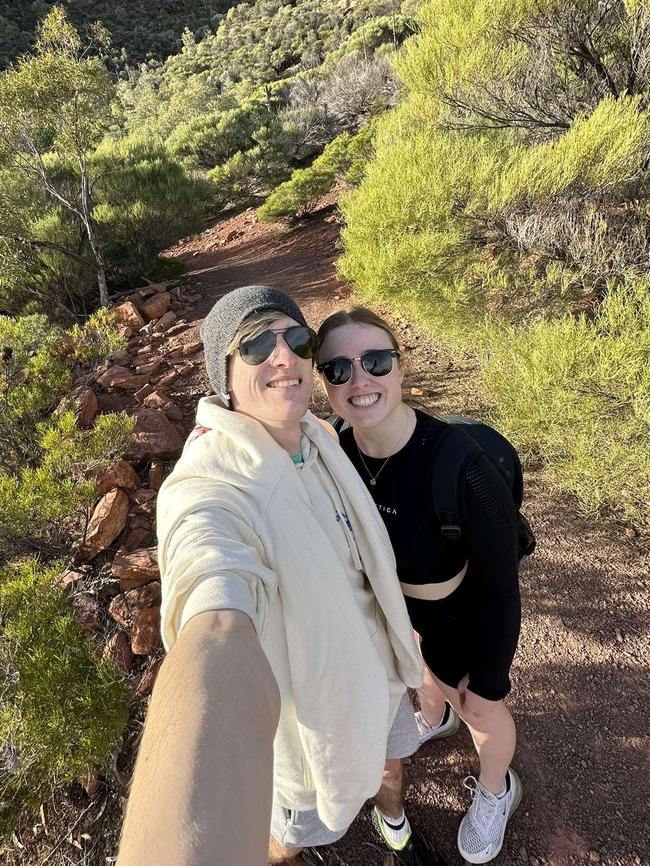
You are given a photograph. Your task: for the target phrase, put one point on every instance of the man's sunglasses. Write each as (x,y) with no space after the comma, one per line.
(376,362)
(300,339)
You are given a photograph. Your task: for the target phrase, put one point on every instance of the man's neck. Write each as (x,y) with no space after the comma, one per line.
(390,436)
(287,436)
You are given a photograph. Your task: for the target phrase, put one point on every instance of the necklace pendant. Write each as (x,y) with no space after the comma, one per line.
(372,482)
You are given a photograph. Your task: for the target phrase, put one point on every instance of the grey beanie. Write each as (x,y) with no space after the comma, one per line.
(222,323)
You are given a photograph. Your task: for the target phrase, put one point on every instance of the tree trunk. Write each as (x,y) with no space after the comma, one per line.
(89,224)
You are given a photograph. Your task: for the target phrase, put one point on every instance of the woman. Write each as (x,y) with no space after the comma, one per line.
(462,596)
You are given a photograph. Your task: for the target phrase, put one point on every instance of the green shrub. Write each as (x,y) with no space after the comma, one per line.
(237,180)
(507,207)
(577,392)
(346,156)
(146,201)
(213,138)
(61,708)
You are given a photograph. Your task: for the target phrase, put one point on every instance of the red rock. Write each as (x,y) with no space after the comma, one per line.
(133,383)
(137,568)
(108,520)
(165,322)
(184,368)
(129,315)
(85,407)
(178,328)
(119,474)
(114,402)
(143,393)
(174,350)
(156,474)
(156,306)
(167,378)
(155,436)
(150,369)
(156,399)
(146,630)
(137,537)
(191,348)
(121,378)
(120,610)
(143,495)
(90,780)
(70,578)
(144,596)
(173,412)
(145,501)
(148,680)
(87,611)
(118,651)
(139,520)
(113,374)
(417,392)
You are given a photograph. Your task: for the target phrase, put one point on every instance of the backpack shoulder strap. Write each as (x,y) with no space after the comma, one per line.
(450,458)
(338,423)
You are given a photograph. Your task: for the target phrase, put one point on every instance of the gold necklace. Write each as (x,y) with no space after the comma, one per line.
(373,478)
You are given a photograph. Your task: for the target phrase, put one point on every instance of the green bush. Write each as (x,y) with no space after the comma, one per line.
(506,206)
(213,138)
(345,157)
(146,200)
(61,708)
(577,392)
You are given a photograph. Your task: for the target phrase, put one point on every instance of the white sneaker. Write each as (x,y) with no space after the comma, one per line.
(481,832)
(447,726)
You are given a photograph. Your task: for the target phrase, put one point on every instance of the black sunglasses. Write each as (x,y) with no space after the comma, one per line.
(300,339)
(376,362)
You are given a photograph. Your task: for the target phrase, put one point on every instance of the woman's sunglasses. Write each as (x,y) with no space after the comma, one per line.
(376,362)
(300,339)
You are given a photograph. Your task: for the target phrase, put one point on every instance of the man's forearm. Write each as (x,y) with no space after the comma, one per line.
(202,787)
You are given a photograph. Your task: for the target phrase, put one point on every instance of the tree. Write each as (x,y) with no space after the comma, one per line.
(57,102)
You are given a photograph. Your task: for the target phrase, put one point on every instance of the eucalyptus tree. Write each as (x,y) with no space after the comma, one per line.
(54,111)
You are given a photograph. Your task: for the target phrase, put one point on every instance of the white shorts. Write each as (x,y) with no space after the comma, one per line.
(293,829)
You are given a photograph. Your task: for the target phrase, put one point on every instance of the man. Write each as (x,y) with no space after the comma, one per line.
(277,575)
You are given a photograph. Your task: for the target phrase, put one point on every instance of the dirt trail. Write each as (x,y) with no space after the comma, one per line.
(580,693)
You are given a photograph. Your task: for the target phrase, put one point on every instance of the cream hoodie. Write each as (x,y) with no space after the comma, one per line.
(234,520)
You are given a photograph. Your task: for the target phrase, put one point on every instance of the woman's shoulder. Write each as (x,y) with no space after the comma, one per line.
(427,427)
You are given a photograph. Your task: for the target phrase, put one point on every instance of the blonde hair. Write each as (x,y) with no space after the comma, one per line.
(253,326)
(353,316)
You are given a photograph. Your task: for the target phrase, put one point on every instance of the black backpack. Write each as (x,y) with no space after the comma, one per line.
(455,449)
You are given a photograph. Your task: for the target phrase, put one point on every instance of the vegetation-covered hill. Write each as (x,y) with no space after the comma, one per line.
(140,29)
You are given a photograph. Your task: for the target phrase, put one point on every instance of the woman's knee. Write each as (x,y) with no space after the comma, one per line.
(482,714)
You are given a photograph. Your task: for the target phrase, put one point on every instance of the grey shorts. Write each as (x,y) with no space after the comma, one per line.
(293,829)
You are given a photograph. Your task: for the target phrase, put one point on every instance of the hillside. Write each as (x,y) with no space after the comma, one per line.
(140,30)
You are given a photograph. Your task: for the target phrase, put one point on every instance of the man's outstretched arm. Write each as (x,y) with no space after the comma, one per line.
(202,786)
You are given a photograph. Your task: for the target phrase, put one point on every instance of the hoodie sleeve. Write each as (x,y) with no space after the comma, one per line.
(211,559)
